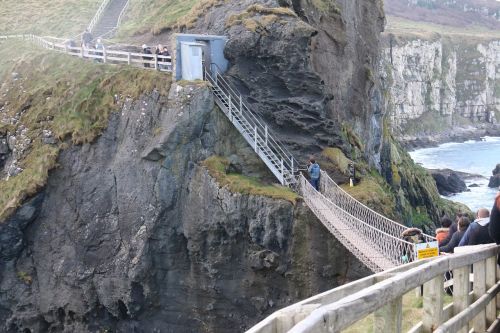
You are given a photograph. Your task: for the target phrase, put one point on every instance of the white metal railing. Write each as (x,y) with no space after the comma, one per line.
(98,15)
(146,61)
(381,294)
(344,200)
(118,21)
(256,132)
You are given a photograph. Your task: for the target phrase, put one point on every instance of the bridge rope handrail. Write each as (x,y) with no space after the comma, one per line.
(375,242)
(347,202)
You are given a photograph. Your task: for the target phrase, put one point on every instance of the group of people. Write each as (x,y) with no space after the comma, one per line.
(160,50)
(484,229)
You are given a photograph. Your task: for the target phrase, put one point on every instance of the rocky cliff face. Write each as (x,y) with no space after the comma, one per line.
(439,87)
(131,234)
(307,67)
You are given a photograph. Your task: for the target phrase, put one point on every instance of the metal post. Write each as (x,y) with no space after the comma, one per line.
(291,160)
(229,107)
(255,138)
(156,62)
(104,56)
(282,169)
(128,58)
(241,105)
(265,134)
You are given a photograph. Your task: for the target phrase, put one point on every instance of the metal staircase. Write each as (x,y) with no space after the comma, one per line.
(274,154)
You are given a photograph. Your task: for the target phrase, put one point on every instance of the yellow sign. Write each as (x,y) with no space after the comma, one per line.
(427,250)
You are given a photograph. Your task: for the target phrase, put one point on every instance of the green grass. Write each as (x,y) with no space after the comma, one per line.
(238,183)
(337,157)
(157,16)
(60,18)
(71,97)
(426,30)
(374,192)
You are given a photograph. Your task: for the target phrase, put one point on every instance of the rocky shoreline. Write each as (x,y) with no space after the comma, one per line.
(450,182)
(459,135)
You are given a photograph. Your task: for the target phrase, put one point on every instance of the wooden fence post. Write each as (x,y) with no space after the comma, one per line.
(388,319)
(433,304)
(479,268)
(461,292)
(491,270)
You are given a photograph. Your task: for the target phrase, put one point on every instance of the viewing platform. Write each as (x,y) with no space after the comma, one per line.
(474,306)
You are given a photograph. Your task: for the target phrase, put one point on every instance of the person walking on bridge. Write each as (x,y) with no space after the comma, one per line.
(314,173)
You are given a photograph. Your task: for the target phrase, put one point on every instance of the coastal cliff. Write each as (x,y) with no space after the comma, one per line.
(443,89)
(132,204)
(133,233)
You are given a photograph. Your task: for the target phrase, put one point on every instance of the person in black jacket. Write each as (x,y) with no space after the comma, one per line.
(451,231)
(494,225)
(463,224)
(146,50)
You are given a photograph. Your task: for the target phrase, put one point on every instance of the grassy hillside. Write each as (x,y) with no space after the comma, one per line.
(427,30)
(157,16)
(60,18)
(68,97)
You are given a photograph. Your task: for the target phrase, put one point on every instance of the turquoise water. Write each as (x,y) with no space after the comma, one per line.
(478,157)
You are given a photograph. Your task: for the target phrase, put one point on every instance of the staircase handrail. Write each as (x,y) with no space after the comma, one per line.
(346,196)
(254,119)
(97,15)
(118,21)
(120,17)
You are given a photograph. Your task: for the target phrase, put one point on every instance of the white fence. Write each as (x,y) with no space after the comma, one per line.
(338,309)
(147,61)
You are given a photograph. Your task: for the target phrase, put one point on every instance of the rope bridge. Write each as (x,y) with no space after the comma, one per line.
(374,239)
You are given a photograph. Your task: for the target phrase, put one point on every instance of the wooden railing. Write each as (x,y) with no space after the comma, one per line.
(381,294)
(147,61)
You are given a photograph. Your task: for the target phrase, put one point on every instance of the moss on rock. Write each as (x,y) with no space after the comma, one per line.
(219,168)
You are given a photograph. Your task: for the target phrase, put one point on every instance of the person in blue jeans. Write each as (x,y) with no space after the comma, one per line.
(314,173)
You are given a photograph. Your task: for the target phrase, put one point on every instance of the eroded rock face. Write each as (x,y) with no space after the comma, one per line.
(131,234)
(442,90)
(308,72)
(448,182)
(495,179)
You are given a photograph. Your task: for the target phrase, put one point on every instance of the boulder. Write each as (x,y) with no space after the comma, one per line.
(448,182)
(495,179)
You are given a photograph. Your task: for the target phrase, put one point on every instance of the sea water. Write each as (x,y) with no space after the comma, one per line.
(476,157)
